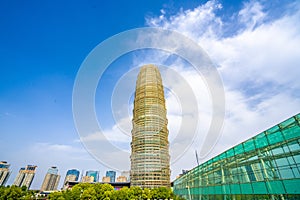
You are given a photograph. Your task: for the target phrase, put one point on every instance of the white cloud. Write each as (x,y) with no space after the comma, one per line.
(258,62)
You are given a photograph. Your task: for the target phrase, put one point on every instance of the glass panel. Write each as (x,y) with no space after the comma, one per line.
(261,141)
(291,132)
(286,173)
(292,186)
(273,130)
(294,147)
(297,159)
(249,145)
(282,162)
(239,149)
(230,153)
(275,137)
(218,189)
(235,189)
(246,188)
(276,187)
(287,123)
(259,188)
(226,189)
(278,150)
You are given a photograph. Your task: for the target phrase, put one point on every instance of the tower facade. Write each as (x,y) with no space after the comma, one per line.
(94,176)
(111,175)
(72,175)
(51,180)
(25,176)
(150,160)
(4,172)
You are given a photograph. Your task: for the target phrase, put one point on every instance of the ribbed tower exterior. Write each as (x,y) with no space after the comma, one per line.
(150,159)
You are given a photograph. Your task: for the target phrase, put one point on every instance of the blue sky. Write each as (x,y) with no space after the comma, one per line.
(43,43)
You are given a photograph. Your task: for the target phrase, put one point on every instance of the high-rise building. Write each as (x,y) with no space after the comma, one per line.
(105,179)
(72,175)
(150,159)
(87,179)
(4,172)
(25,176)
(121,179)
(126,174)
(94,174)
(111,175)
(51,180)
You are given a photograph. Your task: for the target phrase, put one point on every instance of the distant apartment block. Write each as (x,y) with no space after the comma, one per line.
(51,180)
(4,172)
(105,179)
(111,175)
(25,176)
(72,175)
(121,179)
(94,174)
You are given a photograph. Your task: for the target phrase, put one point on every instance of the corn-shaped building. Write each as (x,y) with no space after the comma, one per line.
(150,160)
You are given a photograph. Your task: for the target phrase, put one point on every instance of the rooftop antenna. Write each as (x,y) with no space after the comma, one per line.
(197,157)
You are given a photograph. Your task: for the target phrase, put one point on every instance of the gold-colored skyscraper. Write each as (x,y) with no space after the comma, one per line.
(150,159)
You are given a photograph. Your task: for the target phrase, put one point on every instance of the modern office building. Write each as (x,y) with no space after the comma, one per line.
(266,166)
(121,179)
(72,175)
(94,174)
(111,175)
(25,176)
(4,172)
(126,174)
(51,180)
(150,160)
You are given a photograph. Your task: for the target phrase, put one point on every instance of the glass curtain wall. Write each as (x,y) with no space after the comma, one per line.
(266,166)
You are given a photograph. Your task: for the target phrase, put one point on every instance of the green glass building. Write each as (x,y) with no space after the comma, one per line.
(266,166)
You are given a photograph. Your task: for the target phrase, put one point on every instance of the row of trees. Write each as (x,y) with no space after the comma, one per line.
(86,191)
(14,192)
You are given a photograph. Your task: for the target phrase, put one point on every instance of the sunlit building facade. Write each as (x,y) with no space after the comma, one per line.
(266,166)
(25,176)
(94,174)
(4,172)
(51,180)
(150,160)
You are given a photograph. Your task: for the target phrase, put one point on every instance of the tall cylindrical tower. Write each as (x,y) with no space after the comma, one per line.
(150,160)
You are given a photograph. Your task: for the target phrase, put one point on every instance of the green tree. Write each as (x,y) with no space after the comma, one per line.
(88,194)
(56,196)
(11,193)
(146,194)
(161,193)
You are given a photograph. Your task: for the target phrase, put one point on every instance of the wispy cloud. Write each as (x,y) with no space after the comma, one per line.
(258,62)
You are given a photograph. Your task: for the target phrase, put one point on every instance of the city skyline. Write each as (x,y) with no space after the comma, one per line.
(252,44)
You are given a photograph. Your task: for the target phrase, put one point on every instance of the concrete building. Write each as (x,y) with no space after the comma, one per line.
(4,172)
(87,179)
(105,179)
(51,180)
(150,159)
(121,179)
(126,174)
(25,176)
